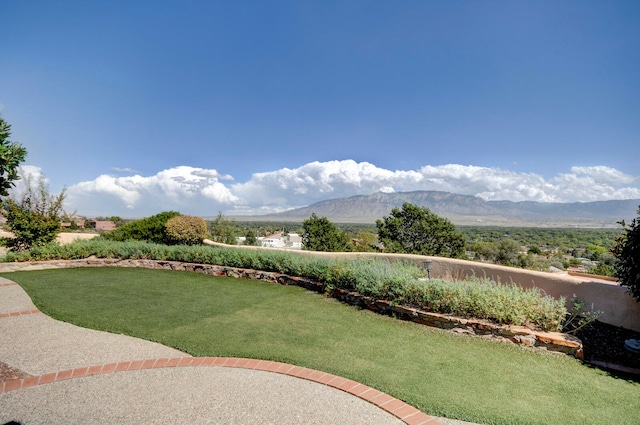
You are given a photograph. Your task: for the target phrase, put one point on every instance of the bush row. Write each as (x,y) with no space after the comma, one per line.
(393,281)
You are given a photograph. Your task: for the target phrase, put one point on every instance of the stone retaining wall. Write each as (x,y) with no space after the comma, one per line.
(551,341)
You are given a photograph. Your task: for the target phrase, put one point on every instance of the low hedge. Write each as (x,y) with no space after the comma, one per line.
(401,283)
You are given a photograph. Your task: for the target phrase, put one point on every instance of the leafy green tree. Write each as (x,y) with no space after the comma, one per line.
(508,252)
(250,238)
(319,234)
(627,252)
(365,241)
(11,155)
(186,230)
(224,230)
(150,229)
(34,220)
(486,250)
(534,249)
(416,230)
(603,270)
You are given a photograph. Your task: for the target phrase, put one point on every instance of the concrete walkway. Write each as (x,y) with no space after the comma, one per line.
(78,375)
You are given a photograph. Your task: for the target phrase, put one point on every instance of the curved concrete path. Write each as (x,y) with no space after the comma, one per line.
(79,375)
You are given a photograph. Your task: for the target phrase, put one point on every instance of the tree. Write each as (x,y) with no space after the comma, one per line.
(250,238)
(319,234)
(34,219)
(508,252)
(224,230)
(487,251)
(11,155)
(365,241)
(627,252)
(416,230)
(186,230)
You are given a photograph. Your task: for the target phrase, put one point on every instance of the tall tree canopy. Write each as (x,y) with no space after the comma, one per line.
(11,155)
(416,230)
(319,234)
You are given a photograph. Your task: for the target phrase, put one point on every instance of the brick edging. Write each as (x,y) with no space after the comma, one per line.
(398,408)
(19,313)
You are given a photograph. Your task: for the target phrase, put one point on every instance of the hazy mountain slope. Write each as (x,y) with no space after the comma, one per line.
(466,209)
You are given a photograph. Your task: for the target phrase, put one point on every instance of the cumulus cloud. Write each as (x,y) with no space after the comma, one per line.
(321,180)
(205,191)
(29,174)
(185,189)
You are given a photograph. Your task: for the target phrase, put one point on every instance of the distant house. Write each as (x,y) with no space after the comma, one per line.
(274,240)
(294,241)
(103,225)
(80,223)
(280,240)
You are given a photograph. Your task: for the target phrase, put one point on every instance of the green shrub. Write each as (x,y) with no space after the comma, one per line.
(603,270)
(150,229)
(186,230)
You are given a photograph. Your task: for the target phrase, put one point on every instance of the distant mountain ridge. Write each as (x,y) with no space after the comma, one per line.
(466,210)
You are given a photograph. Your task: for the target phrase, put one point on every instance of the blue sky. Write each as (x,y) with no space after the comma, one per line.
(253,107)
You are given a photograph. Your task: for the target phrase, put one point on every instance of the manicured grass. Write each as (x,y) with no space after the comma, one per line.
(440,373)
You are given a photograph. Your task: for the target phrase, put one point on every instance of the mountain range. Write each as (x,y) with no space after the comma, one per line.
(465,210)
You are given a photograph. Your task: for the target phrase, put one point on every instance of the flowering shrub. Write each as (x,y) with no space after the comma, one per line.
(186,230)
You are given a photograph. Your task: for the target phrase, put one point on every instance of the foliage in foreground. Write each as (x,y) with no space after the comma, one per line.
(393,281)
(627,251)
(11,155)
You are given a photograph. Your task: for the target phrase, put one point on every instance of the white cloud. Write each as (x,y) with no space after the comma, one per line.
(606,175)
(29,174)
(317,181)
(205,192)
(185,189)
(125,170)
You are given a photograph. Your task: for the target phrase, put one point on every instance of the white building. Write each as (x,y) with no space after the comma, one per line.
(281,240)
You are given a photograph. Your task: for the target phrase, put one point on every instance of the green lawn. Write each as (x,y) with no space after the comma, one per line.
(440,373)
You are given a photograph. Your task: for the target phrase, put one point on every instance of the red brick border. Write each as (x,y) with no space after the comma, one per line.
(16,313)
(398,408)
(19,313)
